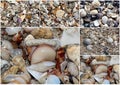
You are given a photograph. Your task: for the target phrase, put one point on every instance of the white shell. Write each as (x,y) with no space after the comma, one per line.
(52,79)
(42,66)
(41,77)
(72,34)
(13,30)
(43,53)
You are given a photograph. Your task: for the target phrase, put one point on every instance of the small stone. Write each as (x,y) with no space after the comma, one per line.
(96,3)
(96,23)
(93,12)
(89,47)
(104,19)
(83,13)
(87,41)
(109,40)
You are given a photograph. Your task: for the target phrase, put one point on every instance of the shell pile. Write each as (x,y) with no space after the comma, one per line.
(59,42)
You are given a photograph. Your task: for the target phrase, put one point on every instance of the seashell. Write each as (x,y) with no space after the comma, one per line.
(71,66)
(95,62)
(72,35)
(13,30)
(43,53)
(42,66)
(5,54)
(29,37)
(73,53)
(100,69)
(88,81)
(7,45)
(17,79)
(106,81)
(114,60)
(34,42)
(52,79)
(85,56)
(3,63)
(104,19)
(41,77)
(82,13)
(96,3)
(19,61)
(116,68)
(59,13)
(16,52)
(101,58)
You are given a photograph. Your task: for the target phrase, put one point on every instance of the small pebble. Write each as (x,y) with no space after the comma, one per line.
(87,41)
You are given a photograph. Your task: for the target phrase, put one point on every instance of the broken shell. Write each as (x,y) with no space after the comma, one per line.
(41,77)
(42,66)
(43,53)
(13,30)
(73,53)
(114,60)
(52,79)
(7,45)
(100,69)
(71,66)
(116,68)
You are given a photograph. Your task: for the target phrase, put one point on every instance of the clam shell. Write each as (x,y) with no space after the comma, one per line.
(43,53)
(100,69)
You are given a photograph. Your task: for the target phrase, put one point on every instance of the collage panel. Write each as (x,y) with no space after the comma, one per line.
(59,13)
(99,41)
(33,55)
(20,13)
(99,13)
(101,69)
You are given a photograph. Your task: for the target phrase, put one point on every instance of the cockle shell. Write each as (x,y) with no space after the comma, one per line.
(42,66)
(43,53)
